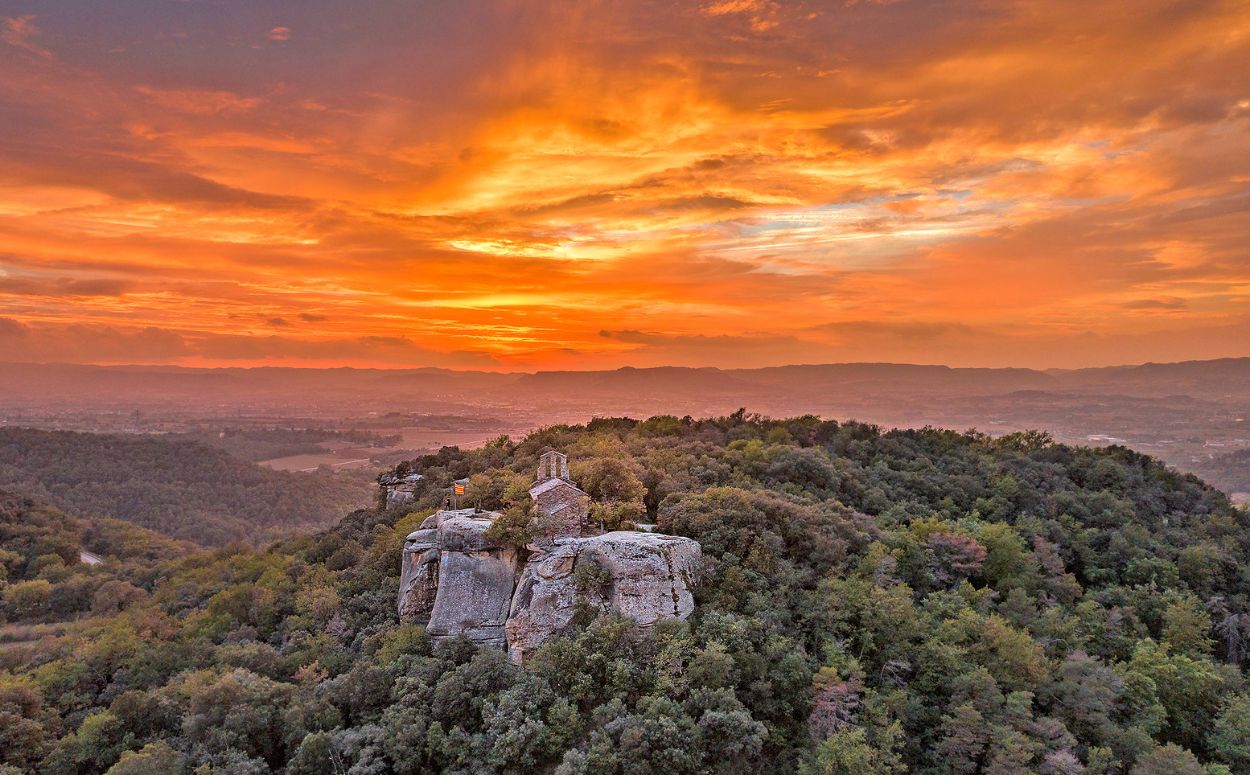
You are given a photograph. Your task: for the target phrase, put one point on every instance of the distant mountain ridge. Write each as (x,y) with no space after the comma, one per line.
(127,385)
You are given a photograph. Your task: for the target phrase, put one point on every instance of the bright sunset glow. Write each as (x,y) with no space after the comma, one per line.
(523,185)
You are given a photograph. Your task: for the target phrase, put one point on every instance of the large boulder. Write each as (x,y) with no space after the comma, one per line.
(645,576)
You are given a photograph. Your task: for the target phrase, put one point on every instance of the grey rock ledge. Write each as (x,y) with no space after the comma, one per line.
(455,581)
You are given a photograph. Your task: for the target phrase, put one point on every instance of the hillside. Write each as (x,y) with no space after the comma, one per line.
(915,601)
(184,489)
(46,585)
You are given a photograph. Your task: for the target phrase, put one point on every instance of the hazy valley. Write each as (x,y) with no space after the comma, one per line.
(1192,414)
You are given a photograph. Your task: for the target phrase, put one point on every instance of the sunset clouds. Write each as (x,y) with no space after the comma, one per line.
(584,185)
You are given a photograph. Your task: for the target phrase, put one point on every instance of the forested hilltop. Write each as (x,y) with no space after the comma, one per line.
(917,601)
(185,489)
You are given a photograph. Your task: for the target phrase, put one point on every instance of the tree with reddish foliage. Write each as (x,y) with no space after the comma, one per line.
(1050,560)
(833,708)
(954,557)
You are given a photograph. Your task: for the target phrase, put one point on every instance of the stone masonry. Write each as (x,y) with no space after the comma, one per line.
(556,497)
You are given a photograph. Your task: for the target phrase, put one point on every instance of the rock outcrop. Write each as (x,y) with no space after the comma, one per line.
(399,489)
(418,577)
(456,581)
(645,576)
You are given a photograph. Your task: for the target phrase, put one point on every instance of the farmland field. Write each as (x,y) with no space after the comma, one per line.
(349,457)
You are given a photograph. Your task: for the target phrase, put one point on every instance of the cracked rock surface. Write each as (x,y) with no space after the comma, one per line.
(645,576)
(457,582)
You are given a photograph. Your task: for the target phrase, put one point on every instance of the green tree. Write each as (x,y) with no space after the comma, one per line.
(1186,626)
(29,599)
(27,725)
(1168,759)
(610,479)
(1230,737)
(156,758)
(1189,690)
(848,752)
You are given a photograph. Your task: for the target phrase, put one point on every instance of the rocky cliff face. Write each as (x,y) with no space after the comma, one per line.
(418,578)
(456,582)
(645,576)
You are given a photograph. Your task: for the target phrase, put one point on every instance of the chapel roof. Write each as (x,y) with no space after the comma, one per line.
(548,485)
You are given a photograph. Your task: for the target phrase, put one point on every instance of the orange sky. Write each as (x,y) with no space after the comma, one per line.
(522,185)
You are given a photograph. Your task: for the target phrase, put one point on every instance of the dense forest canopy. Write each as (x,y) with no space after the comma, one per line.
(185,489)
(918,601)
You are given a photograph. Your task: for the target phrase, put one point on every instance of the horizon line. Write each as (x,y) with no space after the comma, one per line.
(399,369)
